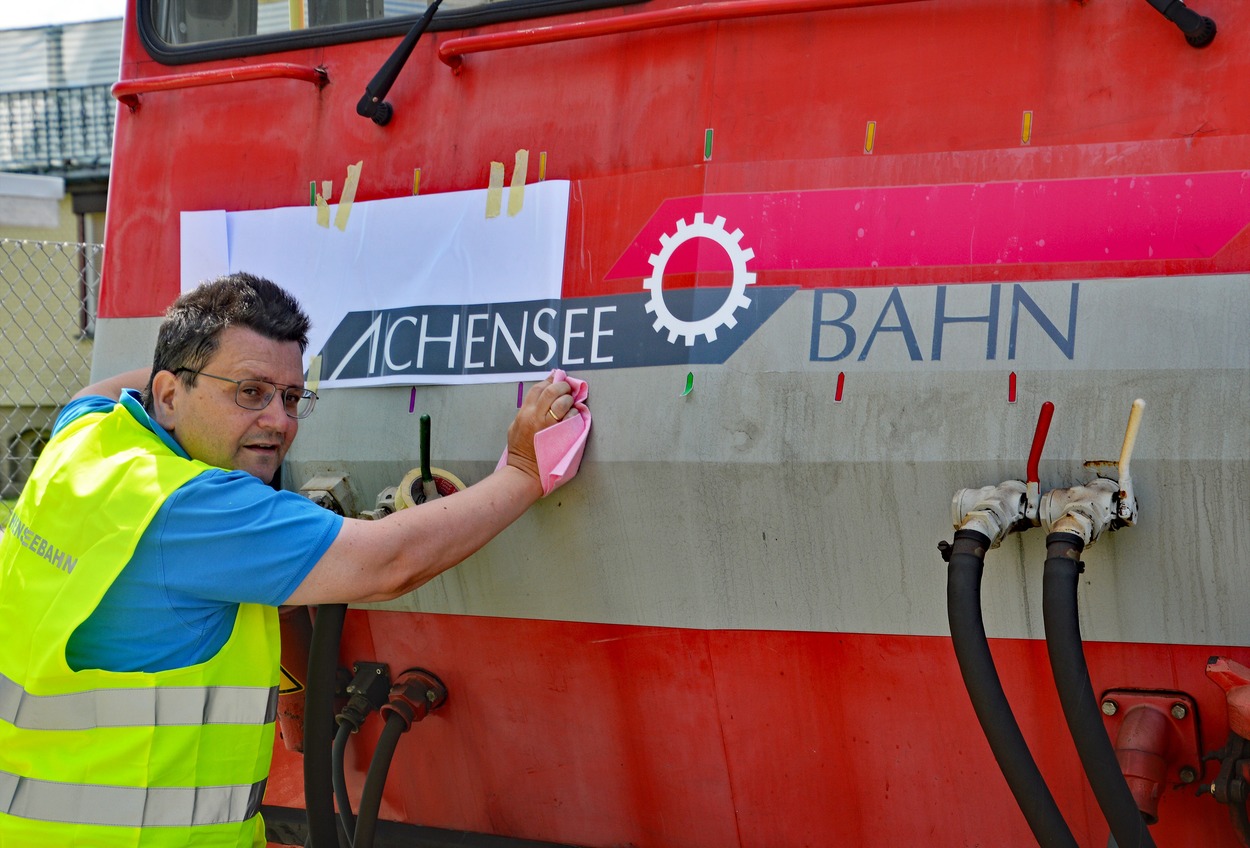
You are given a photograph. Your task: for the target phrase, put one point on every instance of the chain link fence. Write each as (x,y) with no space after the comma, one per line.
(47,319)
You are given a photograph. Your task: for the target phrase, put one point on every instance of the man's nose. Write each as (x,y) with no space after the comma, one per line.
(274,412)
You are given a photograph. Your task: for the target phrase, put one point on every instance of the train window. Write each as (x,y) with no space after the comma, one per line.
(181,31)
(191,21)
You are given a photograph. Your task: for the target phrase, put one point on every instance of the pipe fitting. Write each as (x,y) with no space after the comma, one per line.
(330,491)
(1085,511)
(383,506)
(993,511)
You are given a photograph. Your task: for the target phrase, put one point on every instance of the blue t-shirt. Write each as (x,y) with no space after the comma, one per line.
(222,539)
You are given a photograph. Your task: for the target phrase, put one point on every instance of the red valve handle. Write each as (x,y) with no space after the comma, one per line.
(1039,439)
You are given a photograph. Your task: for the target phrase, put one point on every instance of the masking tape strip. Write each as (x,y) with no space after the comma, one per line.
(314,373)
(494,190)
(321,199)
(349,195)
(516,192)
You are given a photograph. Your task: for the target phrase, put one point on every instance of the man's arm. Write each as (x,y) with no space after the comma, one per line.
(380,560)
(111,387)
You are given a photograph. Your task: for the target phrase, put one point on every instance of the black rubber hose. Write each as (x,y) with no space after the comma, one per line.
(339,770)
(1076,693)
(375,779)
(976,663)
(323,661)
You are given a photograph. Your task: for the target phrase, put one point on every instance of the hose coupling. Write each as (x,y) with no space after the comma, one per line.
(415,694)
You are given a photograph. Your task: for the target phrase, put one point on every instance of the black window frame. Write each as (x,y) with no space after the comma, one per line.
(504,11)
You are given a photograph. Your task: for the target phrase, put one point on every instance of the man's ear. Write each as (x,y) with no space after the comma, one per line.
(166,392)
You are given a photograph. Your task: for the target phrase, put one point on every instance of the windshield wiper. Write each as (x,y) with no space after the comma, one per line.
(373,104)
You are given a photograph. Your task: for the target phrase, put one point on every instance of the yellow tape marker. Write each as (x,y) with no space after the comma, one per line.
(542,166)
(349,195)
(870,136)
(323,212)
(416,181)
(516,191)
(327,189)
(314,373)
(1026,127)
(494,190)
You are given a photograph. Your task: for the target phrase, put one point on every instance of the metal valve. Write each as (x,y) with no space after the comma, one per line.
(1011,505)
(1102,504)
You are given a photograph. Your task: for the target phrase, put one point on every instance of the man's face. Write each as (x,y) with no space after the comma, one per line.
(211,427)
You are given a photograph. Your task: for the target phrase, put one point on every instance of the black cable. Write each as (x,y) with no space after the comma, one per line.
(323,654)
(985,690)
(1076,693)
(375,780)
(339,772)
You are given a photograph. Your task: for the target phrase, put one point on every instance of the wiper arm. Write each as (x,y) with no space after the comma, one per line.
(1199,29)
(373,104)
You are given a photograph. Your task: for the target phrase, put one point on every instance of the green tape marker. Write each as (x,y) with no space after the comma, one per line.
(689,384)
(707,145)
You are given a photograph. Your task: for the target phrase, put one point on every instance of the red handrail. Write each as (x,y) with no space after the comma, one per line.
(451,51)
(128,91)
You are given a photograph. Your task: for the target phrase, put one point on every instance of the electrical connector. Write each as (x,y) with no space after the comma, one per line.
(367,692)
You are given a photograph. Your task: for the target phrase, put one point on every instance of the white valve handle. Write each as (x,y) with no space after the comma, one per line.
(1126,454)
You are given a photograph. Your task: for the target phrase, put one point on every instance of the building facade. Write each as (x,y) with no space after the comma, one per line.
(56,136)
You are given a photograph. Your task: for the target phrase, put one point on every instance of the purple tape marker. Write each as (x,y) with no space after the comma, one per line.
(412,400)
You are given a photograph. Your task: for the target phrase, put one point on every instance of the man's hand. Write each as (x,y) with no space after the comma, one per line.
(546,403)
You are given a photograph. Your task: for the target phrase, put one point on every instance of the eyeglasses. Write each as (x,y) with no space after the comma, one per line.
(256,394)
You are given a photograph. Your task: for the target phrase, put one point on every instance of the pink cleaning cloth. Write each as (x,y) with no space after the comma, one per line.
(559,447)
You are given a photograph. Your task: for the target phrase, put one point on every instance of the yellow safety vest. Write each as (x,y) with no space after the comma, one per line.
(108,759)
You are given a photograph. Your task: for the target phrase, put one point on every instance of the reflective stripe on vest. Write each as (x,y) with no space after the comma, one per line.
(160,707)
(128,806)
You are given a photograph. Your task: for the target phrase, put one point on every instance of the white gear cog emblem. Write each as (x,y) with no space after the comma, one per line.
(722,317)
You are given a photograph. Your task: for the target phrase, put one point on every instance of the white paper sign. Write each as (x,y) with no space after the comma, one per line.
(422,289)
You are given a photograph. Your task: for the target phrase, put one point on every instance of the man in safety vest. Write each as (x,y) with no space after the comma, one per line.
(142,568)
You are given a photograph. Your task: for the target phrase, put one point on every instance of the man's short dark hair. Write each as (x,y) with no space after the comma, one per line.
(193,324)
